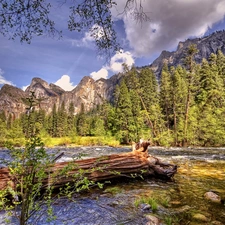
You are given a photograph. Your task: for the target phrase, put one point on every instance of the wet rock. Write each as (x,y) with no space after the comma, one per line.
(152,220)
(213,197)
(200,217)
(145,207)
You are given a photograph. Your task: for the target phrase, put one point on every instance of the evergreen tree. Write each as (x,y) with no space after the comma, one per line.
(97,126)
(106,115)
(191,78)
(150,101)
(220,61)
(3,128)
(71,120)
(133,85)
(211,104)
(54,120)
(62,121)
(165,94)
(15,130)
(124,116)
(179,93)
(83,123)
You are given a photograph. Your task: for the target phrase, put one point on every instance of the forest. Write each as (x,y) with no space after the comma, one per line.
(186,107)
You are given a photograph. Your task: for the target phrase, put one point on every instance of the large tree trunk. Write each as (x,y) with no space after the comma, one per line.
(132,164)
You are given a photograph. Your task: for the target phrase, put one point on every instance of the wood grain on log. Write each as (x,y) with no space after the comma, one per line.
(131,164)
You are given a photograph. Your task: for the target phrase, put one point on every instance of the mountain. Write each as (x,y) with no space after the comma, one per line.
(11,100)
(89,92)
(206,46)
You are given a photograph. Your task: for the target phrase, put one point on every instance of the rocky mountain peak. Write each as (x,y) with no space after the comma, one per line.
(39,81)
(56,89)
(42,89)
(206,45)
(11,100)
(89,92)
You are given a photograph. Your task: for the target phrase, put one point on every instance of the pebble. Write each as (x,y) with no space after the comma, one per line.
(213,197)
(200,217)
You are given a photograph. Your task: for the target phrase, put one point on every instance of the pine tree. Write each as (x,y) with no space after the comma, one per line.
(211,104)
(71,128)
(133,85)
(3,127)
(191,77)
(150,101)
(97,126)
(220,61)
(165,94)
(124,117)
(54,120)
(179,93)
(83,123)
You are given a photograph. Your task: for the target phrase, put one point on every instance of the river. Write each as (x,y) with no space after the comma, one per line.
(180,201)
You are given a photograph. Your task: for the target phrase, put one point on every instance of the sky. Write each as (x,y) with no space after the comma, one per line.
(66,61)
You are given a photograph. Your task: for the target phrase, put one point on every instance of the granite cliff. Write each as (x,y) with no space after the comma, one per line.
(89,92)
(206,46)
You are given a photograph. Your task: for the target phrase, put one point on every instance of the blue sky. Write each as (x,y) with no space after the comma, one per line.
(66,61)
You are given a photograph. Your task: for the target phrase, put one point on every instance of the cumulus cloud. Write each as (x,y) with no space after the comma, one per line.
(115,65)
(170,21)
(3,80)
(64,83)
(102,73)
(117,61)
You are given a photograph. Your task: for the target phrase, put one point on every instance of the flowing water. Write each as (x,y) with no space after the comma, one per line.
(180,201)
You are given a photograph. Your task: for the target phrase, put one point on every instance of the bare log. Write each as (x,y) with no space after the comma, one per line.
(132,164)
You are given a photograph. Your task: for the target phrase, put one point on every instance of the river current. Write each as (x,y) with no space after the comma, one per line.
(180,201)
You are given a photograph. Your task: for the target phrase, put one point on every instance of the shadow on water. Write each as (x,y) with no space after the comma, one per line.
(179,202)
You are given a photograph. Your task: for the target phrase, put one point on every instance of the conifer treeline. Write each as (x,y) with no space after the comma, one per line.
(187,107)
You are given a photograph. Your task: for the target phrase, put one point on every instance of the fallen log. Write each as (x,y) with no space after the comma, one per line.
(132,164)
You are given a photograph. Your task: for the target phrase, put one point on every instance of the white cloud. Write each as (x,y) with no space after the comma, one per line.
(94,33)
(64,83)
(170,21)
(116,62)
(115,65)
(3,80)
(102,73)
(25,87)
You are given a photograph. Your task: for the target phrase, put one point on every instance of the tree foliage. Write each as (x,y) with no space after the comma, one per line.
(186,107)
(25,19)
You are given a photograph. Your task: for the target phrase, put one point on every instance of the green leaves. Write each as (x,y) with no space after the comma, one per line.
(24,19)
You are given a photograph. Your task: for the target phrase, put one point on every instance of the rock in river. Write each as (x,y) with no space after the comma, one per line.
(213,197)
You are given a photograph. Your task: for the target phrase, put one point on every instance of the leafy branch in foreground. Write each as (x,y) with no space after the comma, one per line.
(25,19)
(33,181)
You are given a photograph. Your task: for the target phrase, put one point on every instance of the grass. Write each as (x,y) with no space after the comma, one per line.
(147,200)
(113,190)
(164,201)
(171,220)
(71,141)
(16,142)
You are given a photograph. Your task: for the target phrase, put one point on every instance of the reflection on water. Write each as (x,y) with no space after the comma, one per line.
(180,201)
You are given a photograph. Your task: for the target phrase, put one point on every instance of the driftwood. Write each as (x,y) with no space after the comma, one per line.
(131,164)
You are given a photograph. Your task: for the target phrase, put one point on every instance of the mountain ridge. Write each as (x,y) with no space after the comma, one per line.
(90,93)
